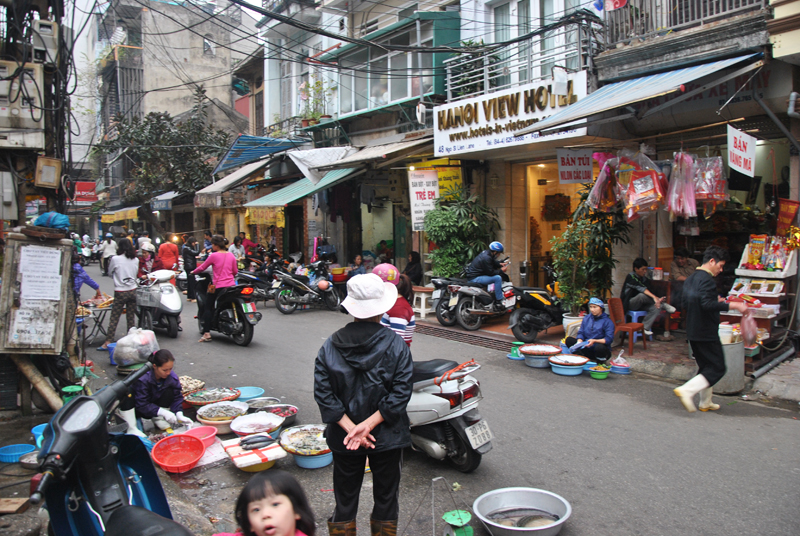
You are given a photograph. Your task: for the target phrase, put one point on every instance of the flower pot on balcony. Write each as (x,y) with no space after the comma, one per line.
(305,122)
(312,122)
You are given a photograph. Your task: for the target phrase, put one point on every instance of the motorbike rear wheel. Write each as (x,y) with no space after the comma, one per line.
(182,284)
(444,313)
(466,320)
(244,337)
(172,327)
(281,302)
(332,300)
(466,459)
(523,331)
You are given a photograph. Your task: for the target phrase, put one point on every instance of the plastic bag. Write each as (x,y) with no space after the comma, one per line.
(53,220)
(606,193)
(620,361)
(135,347)
(749,329)
(643,182)
(681,201)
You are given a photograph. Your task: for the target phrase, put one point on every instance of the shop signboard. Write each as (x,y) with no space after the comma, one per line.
(491,121)
(85,193)
(267,216)
(161,204)
(741,151)
(448,171)
(423,189)
(574,166)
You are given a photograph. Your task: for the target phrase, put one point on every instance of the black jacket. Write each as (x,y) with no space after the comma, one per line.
(483,264)
(633,286)
(360,369)
(414,272)
(190,257)
(699,300)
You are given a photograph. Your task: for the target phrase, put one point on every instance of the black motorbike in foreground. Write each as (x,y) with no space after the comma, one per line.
(235,312)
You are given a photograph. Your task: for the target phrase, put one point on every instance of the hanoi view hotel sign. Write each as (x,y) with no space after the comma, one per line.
(491,121)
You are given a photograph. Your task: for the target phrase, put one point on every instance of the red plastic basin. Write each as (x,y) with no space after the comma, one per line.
(178,453)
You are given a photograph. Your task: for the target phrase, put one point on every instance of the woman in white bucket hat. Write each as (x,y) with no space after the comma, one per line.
(362,384)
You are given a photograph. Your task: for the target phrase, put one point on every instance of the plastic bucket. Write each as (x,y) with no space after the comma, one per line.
(70,391)
(37,432)
(111,347)
(725,334)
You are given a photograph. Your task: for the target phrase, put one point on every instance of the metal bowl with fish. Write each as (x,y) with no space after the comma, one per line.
(222,411)
(519,511)
(210,396)
(305,440)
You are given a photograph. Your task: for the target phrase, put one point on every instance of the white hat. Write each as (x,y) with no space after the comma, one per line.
(368,295)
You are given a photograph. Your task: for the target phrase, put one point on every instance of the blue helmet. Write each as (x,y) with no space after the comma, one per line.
(109,235)
(496,246)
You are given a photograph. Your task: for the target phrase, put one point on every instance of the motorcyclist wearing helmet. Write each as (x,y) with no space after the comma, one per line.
(485,269)
(149,261)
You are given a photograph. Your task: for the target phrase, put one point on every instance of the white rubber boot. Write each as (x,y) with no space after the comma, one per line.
(705,400)
(687,391)
(129,416)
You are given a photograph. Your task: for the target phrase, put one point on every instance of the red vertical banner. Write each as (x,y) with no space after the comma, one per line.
(786,216)
(611,5)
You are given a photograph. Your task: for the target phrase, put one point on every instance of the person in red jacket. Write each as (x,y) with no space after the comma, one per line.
(168,251)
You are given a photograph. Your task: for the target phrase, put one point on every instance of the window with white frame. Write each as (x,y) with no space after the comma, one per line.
(372,77)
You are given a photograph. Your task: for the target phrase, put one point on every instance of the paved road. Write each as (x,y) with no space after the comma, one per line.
(623,451)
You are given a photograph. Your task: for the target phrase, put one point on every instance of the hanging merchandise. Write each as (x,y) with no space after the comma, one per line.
(606,192)
(775,257)
(711,186)
(792,238)
(646,184)
(680,199)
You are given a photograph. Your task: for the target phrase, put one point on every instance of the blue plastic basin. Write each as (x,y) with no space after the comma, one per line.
(566,371)
(12,453)
(589,365)
(620,370)
(313,462)
(247,393)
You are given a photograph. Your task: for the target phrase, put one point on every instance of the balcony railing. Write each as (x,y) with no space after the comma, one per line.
(532,60)
(648,18)
(286,128)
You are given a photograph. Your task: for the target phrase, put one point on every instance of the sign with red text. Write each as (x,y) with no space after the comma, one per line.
(423,190)
(574,165)
(741,151)
(85,193)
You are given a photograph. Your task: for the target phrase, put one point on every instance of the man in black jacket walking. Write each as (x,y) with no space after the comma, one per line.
(703,305)
(362,385)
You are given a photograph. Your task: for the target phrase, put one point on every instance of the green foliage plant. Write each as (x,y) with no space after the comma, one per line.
(462,226)
(569,261)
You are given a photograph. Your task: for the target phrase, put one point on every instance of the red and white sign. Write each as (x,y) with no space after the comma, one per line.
(85,192)
(423,190)
(574,165)
(741,151)
(611,5)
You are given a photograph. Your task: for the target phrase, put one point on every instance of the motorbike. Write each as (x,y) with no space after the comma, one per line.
(235,312)
(85,256)
(445,313)
(95,483)
(159,303)
(443,411)
(293,290)
(538,310)
(263,277)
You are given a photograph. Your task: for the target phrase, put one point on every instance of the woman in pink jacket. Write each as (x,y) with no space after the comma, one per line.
(224,275)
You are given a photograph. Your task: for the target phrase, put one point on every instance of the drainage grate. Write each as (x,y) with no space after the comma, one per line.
(473,338)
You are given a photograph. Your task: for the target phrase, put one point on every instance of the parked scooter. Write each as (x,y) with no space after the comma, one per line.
(94,483)
(445,313)
(538,310)
(443,410)
(263,277)
(474,303)
(235,312)
(159,303)
(293,290)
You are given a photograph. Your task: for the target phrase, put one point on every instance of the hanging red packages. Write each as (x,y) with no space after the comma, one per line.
(711,186)
(645,183)
(680,197)
(605,193)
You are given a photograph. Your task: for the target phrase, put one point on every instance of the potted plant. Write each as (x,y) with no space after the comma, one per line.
(569,262)
(315,95)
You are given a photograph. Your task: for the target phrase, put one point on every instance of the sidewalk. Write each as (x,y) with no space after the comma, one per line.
(664,359)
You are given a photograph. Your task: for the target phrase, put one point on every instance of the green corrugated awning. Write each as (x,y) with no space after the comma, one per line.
(303,188)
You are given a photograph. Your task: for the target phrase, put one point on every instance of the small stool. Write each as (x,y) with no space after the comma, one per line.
(421,296)
(635,316)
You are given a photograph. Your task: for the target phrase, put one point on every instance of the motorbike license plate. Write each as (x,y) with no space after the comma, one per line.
(453,301)
(276,284)
(249,307)
(437,294)
(479,434)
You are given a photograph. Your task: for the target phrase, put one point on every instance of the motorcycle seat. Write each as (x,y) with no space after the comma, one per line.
(301,278)
(426,370)
(134,520)
(531,289)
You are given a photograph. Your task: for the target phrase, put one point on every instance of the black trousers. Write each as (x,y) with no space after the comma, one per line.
(710,359)
(191,285)
(348,474)
(598,352)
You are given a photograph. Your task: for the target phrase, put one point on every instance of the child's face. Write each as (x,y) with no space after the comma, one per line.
(272,516)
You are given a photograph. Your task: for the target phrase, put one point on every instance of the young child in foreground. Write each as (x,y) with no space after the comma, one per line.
(273,504)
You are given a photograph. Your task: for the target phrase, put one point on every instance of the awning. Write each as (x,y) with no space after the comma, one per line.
(303,188)
(234,179)
(309,160)
(128,213)
(628,92)
(248,149)
(386,154)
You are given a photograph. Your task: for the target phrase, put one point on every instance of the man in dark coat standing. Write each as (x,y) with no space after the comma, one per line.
(703,305)
(362,385)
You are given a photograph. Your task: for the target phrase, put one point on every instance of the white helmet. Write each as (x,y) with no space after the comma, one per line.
(147,246)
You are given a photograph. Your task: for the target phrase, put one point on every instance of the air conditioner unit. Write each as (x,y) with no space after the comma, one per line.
(45,42)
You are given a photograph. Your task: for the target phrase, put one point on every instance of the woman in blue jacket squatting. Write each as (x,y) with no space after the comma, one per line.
(597,329)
